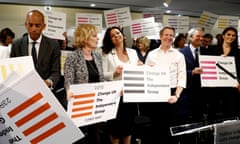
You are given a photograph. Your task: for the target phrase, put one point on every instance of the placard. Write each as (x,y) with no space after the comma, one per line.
(146,84)
(20,65)
(30,114)
(213,76)
(94,102)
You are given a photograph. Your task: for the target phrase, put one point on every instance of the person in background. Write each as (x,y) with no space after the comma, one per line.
(219,39)
(142,48)
(64,43)
(6,36)
(207,40)
(47,54)
(84,65)
(115,55)
(167,56)
(180,41)
(6,39)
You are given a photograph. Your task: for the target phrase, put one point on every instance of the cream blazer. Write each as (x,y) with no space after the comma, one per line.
(111,61)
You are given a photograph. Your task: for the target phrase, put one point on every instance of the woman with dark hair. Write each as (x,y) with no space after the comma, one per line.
(179,41)
(6,39)
(6,36)
(115,56)
(226,99)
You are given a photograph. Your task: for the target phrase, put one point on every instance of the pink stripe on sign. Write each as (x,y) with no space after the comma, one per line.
(207,62)
(208,67)
(209,78)
(208,72)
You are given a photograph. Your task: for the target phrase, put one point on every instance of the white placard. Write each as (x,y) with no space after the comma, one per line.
(20,65)
(207,20)
(180,23)
(227,21)
(146,84)
(142,27)
(55,25)
(89,18)
(64,55)
(213,76)
(30,113)
(94,102)
(118,17)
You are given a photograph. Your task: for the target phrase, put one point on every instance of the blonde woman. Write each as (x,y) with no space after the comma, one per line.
(84,66)
(142,47)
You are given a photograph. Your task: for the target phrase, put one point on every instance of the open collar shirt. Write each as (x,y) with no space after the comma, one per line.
(173,59)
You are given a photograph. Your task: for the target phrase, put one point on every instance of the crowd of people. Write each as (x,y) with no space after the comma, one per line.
(189,102)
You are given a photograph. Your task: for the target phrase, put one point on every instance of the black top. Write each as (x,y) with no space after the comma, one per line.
(92,71)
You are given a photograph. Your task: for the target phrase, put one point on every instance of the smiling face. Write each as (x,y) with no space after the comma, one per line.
(229,36)
(116,37)
(196,38)
(167,37)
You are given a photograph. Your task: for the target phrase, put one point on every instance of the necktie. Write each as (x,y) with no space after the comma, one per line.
(196,57)
(34,53)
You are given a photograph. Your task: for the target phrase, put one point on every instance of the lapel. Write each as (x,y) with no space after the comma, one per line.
(24,46)
(190,55)
(43,48)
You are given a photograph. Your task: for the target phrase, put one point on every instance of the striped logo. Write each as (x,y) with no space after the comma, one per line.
(209,70)
(35,119)
(83,105)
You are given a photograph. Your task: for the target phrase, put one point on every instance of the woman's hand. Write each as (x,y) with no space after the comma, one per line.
(69,94)
(118,71)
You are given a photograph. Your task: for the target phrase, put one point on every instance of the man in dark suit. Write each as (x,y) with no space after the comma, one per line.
(47,50)
(193,89)
(194,96)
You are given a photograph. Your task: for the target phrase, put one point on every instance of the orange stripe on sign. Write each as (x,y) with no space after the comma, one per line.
(40,124)
(33,114)
(82,108)
(48,133)
(84,95)
(81,115)
(25,104)
(83,102)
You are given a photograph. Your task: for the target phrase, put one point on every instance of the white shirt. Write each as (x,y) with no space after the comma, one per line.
(4,52)
(173,59)
(37,45)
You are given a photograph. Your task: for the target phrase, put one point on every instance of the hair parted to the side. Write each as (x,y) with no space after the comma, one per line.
(82,33)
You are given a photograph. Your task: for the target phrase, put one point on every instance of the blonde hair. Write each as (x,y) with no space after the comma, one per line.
(145,41)
(82,33)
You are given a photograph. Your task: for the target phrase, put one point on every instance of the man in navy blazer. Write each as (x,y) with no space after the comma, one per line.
(47,50)
(193,91)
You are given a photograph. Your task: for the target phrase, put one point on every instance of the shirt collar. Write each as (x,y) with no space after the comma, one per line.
(38,40)
(193,48)
(169,50)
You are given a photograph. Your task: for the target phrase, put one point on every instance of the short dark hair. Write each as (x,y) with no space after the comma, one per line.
(4,33)
(208,35)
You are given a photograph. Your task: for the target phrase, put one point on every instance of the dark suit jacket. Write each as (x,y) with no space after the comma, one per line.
(193,81)
(48,64)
